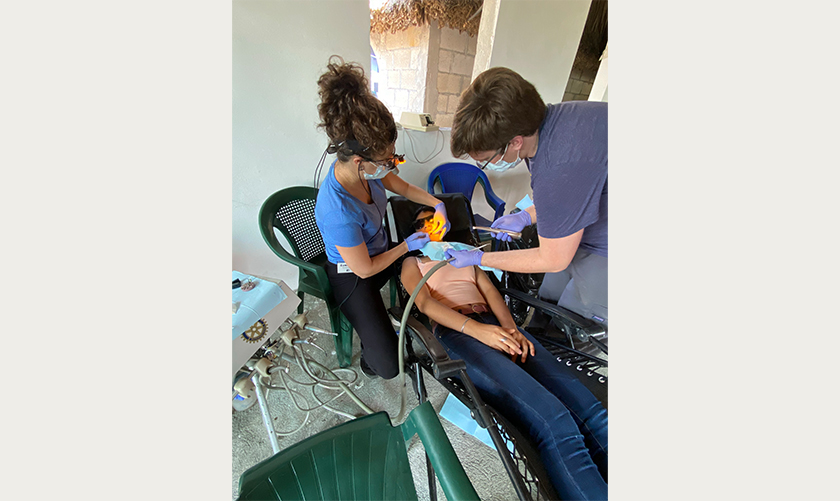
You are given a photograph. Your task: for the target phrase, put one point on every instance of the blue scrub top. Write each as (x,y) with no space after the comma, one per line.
(569,174)
(346,221)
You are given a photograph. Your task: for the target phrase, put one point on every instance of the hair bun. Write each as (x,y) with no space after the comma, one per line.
(343,80)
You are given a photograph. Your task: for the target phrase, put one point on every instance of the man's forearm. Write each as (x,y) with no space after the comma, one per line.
(521,261)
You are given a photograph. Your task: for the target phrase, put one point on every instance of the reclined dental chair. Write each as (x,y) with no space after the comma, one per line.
(519,456)
(576,341)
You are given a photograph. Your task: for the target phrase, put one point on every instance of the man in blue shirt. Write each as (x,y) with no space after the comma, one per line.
(502,120)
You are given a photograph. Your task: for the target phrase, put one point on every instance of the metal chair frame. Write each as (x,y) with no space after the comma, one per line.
(519,457)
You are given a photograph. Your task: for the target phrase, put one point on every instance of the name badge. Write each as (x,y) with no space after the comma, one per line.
(343,268)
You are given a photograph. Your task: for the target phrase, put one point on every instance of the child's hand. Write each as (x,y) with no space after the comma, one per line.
(496,337)
(525,345)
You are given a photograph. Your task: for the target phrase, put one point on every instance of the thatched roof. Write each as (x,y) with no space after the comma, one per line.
(593,41)
(397,15)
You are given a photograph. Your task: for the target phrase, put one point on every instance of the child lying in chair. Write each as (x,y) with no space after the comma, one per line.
(514,373)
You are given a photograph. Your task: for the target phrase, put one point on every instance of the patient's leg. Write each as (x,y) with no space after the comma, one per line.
(586,410)
(512,391)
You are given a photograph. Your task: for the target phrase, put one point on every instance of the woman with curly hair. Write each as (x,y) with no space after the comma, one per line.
(351,205)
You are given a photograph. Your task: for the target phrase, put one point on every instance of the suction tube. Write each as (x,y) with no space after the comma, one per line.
(401,416)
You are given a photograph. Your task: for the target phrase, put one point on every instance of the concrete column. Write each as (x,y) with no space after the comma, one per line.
(486,36)
(537,39)
(599,87)
(431,97)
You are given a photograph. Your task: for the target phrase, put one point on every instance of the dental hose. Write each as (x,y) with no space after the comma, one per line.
(401,416)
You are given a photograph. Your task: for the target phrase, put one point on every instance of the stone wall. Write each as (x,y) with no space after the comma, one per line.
(454,72)
(403,61)
(580,84)
(424,70)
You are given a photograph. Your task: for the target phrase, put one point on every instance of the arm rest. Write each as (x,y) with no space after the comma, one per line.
(315,270)
(442,366)
(494,201)
(453,479)
(589,327)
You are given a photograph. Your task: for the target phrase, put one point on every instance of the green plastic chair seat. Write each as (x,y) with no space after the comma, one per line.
(363,459)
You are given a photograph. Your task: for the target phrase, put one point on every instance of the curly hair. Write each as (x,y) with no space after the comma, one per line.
(497,106)
(355,121)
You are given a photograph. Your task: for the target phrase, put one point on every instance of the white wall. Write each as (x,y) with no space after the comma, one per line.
(539,39)
(280,48)
(510,186)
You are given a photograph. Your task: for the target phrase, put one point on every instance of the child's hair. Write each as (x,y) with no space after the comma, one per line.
(422,209)
(355,121)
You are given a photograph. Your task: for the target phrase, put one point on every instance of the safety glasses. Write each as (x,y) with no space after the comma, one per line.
(500,151)
(388,163)
(421,223)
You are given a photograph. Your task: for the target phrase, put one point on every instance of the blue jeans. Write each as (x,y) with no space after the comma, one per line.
(547,402)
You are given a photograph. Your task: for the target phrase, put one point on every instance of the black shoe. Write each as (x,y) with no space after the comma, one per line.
(365,367)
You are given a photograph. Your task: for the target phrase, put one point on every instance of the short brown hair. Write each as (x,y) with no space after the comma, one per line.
(498,105)
(353,118)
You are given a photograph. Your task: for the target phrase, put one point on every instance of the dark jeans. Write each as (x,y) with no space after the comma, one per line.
(367,314)
(546,401)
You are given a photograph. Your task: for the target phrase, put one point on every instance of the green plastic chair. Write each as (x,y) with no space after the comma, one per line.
(292,211)
(363,459)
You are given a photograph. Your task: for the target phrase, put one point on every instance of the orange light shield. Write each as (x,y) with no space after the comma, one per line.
(435,228)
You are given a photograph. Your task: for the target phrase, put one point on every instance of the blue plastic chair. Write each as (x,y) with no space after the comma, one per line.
(460,177)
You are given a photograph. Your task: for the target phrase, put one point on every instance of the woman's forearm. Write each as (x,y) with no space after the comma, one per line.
(417,195)
(381,261)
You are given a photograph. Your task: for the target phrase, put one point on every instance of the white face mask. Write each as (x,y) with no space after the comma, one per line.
(502,165)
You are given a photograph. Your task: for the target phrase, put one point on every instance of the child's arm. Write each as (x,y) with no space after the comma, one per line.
(491,335)
(497,305)
(494,300)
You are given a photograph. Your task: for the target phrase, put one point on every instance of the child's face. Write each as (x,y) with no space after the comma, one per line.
(424,222)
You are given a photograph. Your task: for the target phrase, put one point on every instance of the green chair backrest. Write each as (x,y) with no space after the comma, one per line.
(363,459)
(292,211)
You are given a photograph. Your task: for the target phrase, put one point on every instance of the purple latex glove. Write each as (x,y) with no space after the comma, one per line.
(512,222)
(464,258)
(417,241)
(440,214)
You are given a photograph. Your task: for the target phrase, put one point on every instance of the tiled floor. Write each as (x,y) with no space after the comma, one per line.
(250,439)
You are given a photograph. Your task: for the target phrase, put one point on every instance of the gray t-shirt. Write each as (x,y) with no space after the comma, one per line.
(569,173)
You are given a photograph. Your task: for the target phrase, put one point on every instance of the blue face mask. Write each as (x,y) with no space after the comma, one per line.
(501,165)
(381,172)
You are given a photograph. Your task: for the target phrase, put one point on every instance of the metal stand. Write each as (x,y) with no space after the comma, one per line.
(266,417)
